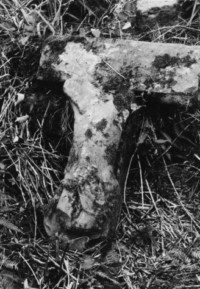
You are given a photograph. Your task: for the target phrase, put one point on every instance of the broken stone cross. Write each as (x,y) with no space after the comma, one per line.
(105,80)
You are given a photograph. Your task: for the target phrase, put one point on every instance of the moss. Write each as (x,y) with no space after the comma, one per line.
(162,80)
(116,83)
(155,16)
(58,44)
(162,61)
(53,47)
(163,77)
(46,73)
(111,153)
(101,125)
(96,46)
(106,135)
(88,159)
(88,133)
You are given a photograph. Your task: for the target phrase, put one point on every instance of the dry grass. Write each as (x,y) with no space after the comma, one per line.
(158,237)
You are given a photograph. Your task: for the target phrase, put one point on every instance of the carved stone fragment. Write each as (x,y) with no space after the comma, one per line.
(105,80)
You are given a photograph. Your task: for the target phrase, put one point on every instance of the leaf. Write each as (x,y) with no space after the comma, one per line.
(9,225)
(30,24)
(168,155)
(26,285)
(96,32)
(112,257)
(20,98)
(22,119)
(198,278)
(167,137)
(82,32)
(88,262)
(78,244)
(23,40)
(126,26)
(196,156)
(135,107)
(8,264)
(2,166)
(161,141)
(16,139)
(196,254)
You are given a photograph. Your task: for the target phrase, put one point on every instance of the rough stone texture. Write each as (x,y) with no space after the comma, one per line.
(104,79)
(146,15)
(90,202)
(146,5)
(140,71)
(154,12)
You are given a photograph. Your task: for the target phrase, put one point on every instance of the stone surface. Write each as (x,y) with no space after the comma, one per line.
(144,6)
(104,79)
(151,13)
(90,201)
(144,15)
(127,69)
(166,71)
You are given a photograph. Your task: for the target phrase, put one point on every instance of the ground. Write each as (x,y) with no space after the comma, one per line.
(158,235)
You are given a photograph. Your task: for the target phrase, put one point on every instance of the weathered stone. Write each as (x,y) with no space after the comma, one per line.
(129,69)
(144,15)
(104,79)
(151,12)
(90,202)
(144,6)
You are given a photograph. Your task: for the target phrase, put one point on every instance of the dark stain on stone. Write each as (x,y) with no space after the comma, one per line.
(58,44)
(53,47)
(163,77)
(116,83)
(95,46)
(166,15)
(111,152)
(87,159)
(101,125)
(73,157)
(88,133)
(162,61)
(165,82)
(115,122)
(106,135)
(46,73)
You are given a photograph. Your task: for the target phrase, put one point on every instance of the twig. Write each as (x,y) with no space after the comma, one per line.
(152,198)
(126,180)
(141,181)
(193,13)
(179,198)
(114,69)
(30,268)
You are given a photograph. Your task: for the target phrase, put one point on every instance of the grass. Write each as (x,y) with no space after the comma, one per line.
(158,236)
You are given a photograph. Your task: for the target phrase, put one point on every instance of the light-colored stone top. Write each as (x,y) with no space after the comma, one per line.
(146,5)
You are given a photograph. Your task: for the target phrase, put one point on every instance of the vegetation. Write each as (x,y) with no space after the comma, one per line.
(158,237)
